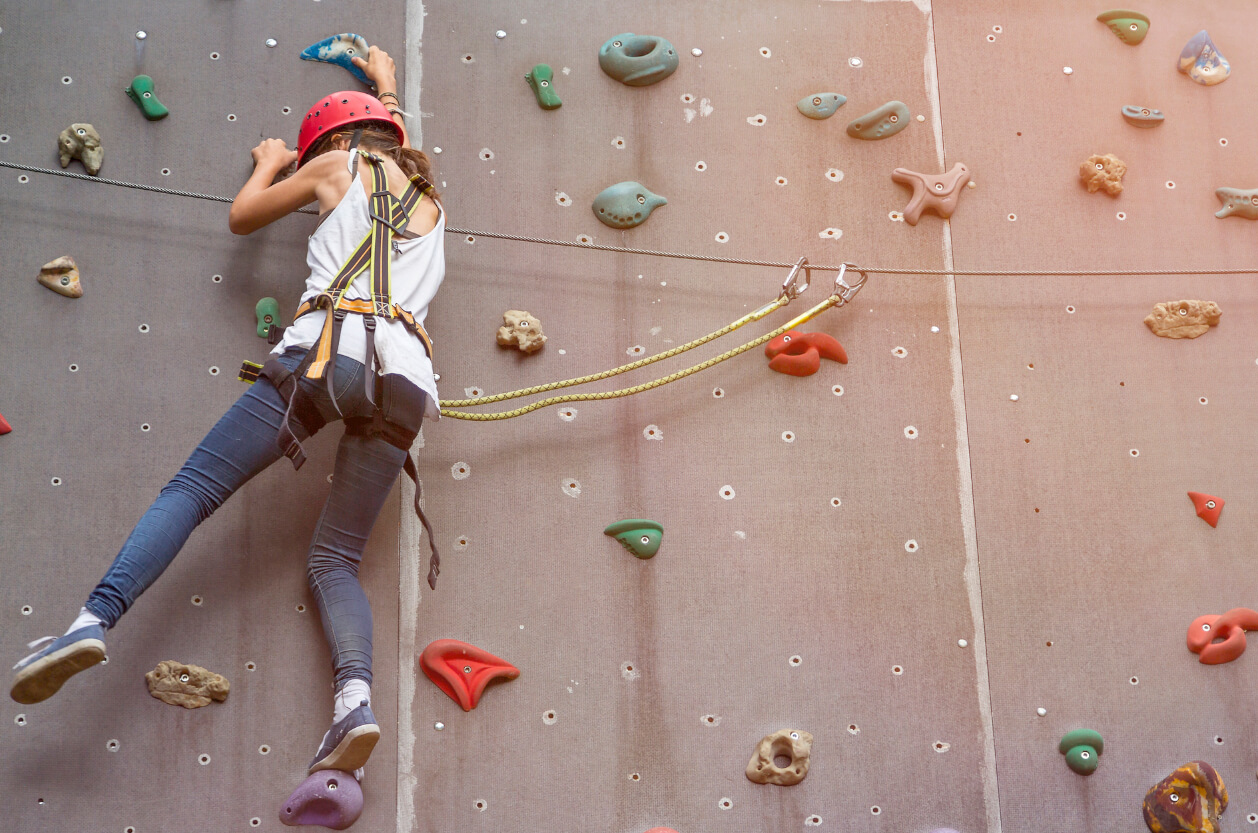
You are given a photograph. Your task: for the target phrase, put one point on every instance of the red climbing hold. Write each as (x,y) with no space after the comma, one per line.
(661,830)
(462,670)
(5,427)
(1208,507)
(800,354)
(1229,629)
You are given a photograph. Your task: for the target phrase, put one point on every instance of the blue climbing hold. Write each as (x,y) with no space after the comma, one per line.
(339,49)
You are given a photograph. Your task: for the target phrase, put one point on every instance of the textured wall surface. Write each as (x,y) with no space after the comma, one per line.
(893,554)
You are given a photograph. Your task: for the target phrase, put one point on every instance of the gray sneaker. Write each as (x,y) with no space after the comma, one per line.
(348,744)
(42,674)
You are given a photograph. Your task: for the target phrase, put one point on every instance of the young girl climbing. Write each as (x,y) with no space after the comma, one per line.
(356,352)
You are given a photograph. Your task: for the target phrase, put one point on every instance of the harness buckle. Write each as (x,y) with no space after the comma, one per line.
(845,291)
(791,288)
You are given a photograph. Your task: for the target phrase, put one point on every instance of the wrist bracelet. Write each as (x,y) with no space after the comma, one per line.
(395,97)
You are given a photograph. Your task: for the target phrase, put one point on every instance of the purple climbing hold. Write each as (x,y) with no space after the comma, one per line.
(329,798)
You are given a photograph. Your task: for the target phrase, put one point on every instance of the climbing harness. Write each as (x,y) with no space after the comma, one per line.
(791,289)
(399,403)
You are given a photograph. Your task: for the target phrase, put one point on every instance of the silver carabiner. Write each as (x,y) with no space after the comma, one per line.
(842,288)
(790,287)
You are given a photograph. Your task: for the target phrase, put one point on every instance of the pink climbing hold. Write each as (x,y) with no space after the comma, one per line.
(1208,507)
(329,798)
(800,354)
(463,671)
(1220,639)
(5,427)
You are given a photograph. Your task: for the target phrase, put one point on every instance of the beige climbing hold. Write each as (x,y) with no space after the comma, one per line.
(62,276)
(190,686)
(791,743)
(521,330)
(1183,319)
(1103,171)
(81,142)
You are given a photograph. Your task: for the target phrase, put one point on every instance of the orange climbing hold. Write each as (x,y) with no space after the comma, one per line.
(800,354)
(462,670)
(1229,631)
(1208,507)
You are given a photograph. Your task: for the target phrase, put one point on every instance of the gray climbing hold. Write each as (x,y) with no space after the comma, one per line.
(887,120)
(821,105)
(1142,116)
(638,60)
(81,142)
(626,204)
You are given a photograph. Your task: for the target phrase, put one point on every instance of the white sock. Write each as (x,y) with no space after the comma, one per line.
(86,617)
(350,697)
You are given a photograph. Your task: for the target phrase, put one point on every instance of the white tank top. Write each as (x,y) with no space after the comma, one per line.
(418,268)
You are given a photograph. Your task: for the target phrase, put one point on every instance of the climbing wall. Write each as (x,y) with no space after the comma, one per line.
(107,395)
(936,559)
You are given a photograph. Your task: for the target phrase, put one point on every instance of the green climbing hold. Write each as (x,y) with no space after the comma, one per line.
(1131,27)
(641,537)
(887,120)
(638,60)
(821,105)
(1082,748)
(268,310)
(541,79)
(626,204)
(141,92)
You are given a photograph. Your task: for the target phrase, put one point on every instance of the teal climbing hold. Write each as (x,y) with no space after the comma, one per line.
(638,535)
(1240,202)
(1082,748)
(638,60)
(1129,26)
(141,92)
(821,105)
(887,120)
(268,310)
(626,204)
(1142,116)
(542,79)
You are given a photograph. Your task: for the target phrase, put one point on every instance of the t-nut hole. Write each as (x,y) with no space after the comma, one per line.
(255,822)
(203,760)
(145,427)
(1170,184)
(197,601)
(875,810)
(301,608)
(20,720)
(23,179)
(214,370)
(217,278)
(1218,740)
(897,670)
(1134,681)
(214,56)
(231,116)
(1223,142)
(1013,217)
(56,481)
(112,745)
(65,79)
(251,666)
(1122,215)
(725,804)
(26,610)
(480,804)
(144,328)
(264,750)
(4,138)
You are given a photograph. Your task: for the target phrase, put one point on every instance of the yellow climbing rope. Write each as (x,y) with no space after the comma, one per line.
(843,292)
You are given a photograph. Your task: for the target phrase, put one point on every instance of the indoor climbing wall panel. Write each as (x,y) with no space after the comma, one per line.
(812,573)
(108,393)
(1094,562)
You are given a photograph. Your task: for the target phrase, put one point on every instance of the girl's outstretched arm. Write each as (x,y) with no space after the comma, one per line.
(260,203)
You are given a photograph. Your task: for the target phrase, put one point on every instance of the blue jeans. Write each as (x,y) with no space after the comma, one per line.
(241,445)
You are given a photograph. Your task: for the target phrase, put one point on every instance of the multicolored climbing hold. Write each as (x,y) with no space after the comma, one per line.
(1242,203)
(268,312)
(1129,26)
(638,60)
(626,204)
(800,354)
(81,141)
(1229,631)
(1142,116)
(61,276)
(190,686)
(328,798)
(1082,748)
(1183,319)
(541,79)
(522,330)
(1208,507)
(887,120)
(5,427)
(638,535)
(794,744)
(1201,61)
(1103,171)
(821,105)
(1189,800)
(932,192)
(339,50)
(463,671)
(141,92)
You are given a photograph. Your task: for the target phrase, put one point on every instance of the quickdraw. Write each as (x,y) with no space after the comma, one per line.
(791,289)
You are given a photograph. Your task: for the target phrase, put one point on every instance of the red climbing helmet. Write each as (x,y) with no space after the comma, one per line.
(337,110)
